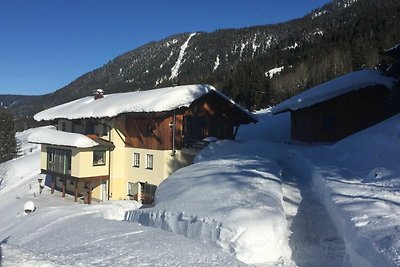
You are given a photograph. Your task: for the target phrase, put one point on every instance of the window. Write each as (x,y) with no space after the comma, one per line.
(149,161)
(89,127)
(149,130)
(75,125)
(99,157)
(59,160)
(195,127)
(136,160)
(133,190)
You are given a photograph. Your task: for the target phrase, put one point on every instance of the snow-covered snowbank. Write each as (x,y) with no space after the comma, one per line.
(230,197)
(14,172)
(78,235)
(358,179)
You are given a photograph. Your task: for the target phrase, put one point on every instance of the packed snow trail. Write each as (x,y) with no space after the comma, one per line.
(313,239)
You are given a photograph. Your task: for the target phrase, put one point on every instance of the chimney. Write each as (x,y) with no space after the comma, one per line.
(98,93)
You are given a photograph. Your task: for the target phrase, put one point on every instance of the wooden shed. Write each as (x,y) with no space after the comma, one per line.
(338,108)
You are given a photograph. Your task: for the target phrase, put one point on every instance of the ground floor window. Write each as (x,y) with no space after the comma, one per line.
(59,160)
(133,189)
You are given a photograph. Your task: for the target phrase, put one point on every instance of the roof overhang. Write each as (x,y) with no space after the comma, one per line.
(54,137)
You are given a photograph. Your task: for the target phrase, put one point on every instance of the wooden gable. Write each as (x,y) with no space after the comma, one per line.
(209,115)
(152,130)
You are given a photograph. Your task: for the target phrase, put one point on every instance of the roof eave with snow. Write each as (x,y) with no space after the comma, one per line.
(59,138)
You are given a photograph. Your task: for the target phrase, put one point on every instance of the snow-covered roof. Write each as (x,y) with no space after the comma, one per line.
(331,89)
(59,138)
(156,100)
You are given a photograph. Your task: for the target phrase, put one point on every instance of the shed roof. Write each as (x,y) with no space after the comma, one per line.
(344,84)
(156,100)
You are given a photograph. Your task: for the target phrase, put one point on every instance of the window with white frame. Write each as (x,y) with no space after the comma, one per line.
(136,160)
(149,161)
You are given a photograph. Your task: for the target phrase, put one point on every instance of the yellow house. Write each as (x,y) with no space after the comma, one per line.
(121,146)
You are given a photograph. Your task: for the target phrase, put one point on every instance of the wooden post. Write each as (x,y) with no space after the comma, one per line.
(64,182)
(76,191)
(53,183)
(90,193)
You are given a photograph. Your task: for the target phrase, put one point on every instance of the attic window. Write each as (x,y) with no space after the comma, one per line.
(149,129)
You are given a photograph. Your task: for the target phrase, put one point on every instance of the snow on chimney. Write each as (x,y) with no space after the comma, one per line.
(98,93)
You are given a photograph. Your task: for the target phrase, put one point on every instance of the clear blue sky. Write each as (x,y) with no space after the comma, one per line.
(46,44)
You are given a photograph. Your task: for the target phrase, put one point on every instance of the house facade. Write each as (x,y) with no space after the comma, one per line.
(121,146)
(336,109)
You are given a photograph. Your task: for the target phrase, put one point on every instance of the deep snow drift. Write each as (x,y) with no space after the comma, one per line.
(231,197)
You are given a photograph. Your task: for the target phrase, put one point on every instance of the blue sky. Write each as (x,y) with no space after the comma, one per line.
(46,44)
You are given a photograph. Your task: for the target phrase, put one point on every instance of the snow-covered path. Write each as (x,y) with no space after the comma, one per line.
(314,240)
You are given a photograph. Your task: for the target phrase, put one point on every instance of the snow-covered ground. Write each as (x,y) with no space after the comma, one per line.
(358,180)
(258,200)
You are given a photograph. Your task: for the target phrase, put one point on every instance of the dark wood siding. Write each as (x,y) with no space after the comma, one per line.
(210,116)
(151,131)
(342,116)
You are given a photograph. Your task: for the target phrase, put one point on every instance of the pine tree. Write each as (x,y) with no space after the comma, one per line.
(8,143)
